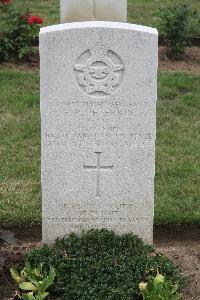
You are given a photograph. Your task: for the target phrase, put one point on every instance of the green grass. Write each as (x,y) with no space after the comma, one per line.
(145,12)
(19,148)
(139,11)
(178,140)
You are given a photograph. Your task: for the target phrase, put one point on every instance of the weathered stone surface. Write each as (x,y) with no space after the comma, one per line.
(86,10)
(98,113)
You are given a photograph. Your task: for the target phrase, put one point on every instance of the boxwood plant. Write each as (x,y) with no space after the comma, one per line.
(100,265)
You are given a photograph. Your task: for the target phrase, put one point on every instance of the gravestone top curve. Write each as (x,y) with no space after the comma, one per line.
(99,24)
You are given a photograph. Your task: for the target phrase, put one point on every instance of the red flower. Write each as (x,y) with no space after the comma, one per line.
(6,1)
(34,20)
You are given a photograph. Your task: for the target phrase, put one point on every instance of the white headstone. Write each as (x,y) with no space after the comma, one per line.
(86,10)
(98,113)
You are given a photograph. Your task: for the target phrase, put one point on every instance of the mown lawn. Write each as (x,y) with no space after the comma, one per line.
(178,156)
(177,161)
(139,11)
(19,148)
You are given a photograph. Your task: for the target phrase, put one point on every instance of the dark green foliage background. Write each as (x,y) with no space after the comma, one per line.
(100,265)
(176,26)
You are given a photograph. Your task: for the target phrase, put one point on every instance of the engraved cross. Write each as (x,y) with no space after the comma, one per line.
(98,167)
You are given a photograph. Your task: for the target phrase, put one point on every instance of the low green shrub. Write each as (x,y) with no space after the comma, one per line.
(159,288)
(99,265)
(18,34)
(176,26)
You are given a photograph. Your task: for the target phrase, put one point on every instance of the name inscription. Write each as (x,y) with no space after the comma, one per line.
(109,118)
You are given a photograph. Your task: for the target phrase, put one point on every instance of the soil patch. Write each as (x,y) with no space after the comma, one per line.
(29,66)
(182,246)
(190,62)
